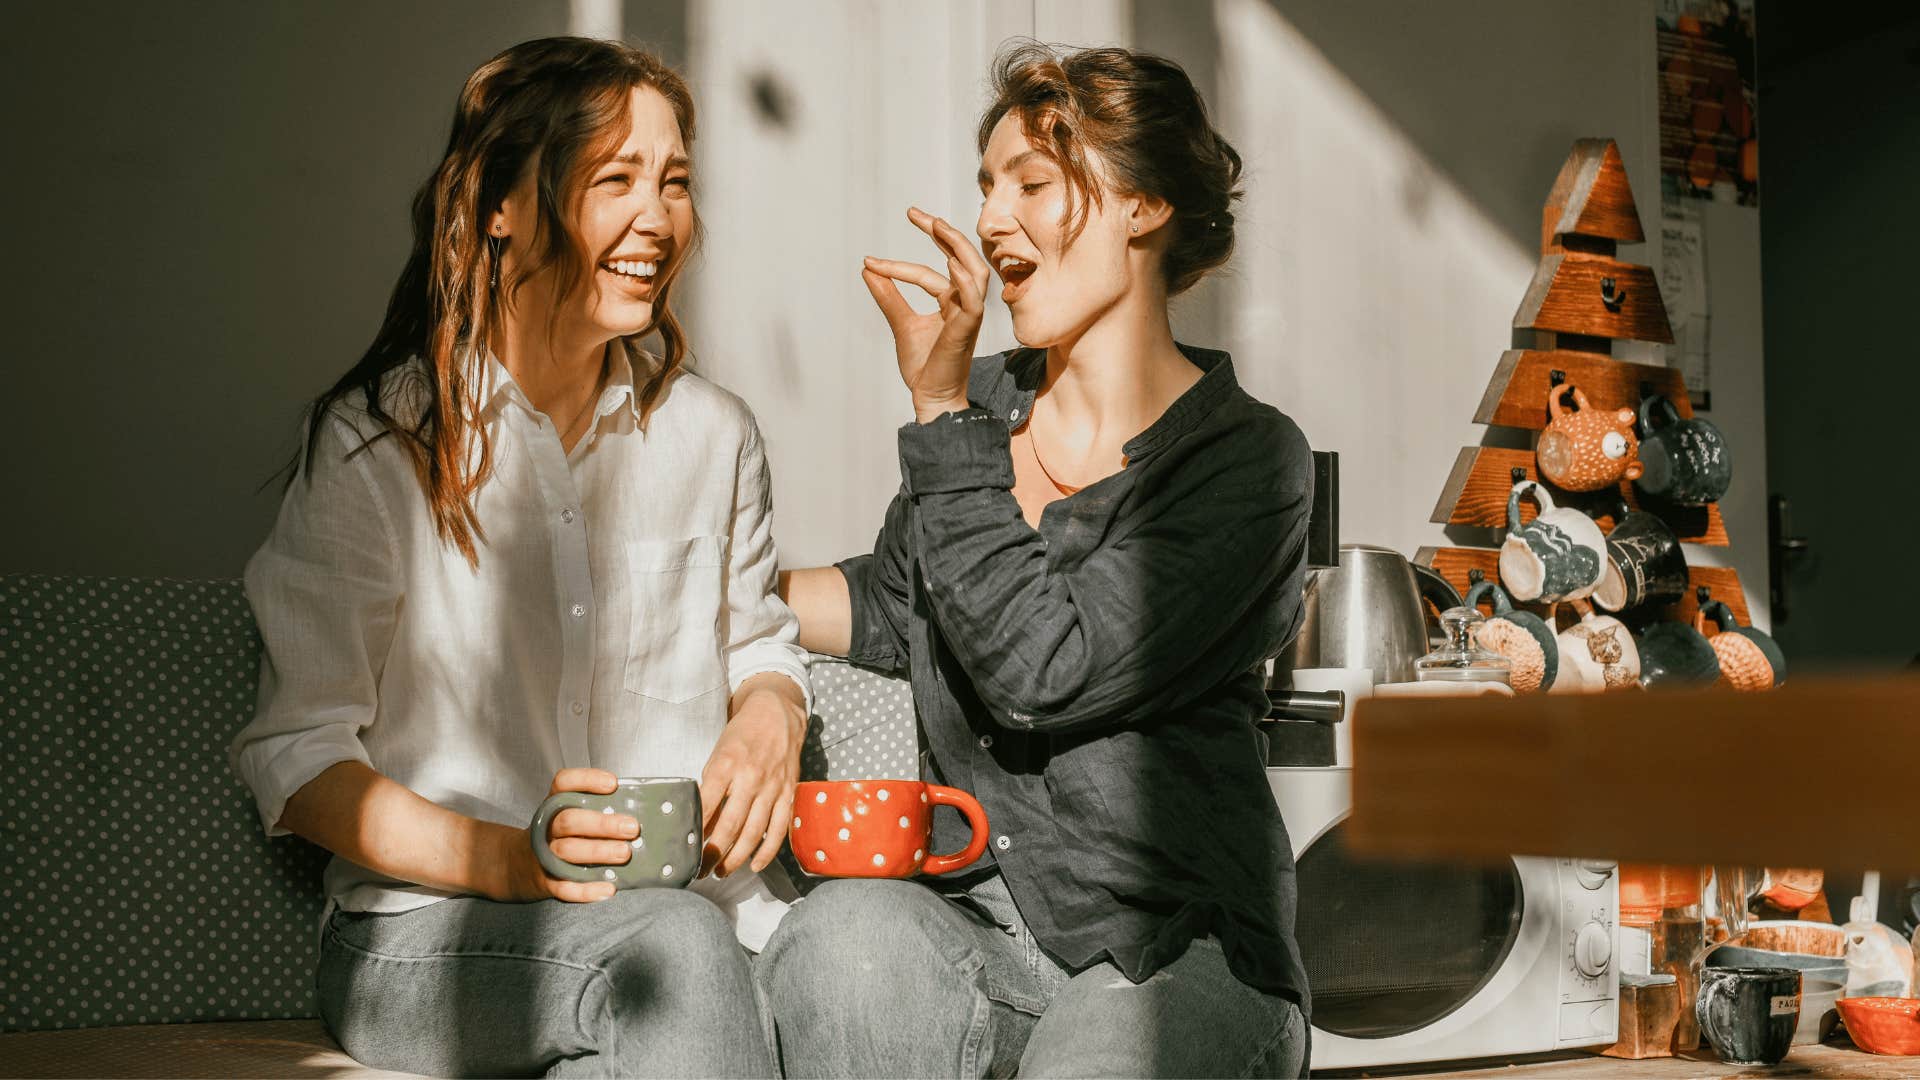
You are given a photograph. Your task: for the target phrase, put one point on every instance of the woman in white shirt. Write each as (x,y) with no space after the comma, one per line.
(521,555)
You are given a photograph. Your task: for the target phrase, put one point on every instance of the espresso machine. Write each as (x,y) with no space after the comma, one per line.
(1365,620)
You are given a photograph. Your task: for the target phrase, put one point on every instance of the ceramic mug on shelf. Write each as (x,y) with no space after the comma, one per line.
(878,828)
(1522,637)
(1588,449)
(1677,654)
(1559,555)
(1685,461)
(1601,650)
(666,854)
(1748,1014)
(1644,562)
(1748,659)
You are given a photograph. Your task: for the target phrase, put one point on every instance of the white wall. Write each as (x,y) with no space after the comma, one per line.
(216,224)
(207,204)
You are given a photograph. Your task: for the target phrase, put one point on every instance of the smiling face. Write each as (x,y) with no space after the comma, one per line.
(634,220)
(1055,289)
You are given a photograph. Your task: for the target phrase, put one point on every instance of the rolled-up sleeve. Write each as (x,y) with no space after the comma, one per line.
(761,633)
(325,594)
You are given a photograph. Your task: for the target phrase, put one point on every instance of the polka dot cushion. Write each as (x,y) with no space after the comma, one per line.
(139,887)
(136,884)
(863,725)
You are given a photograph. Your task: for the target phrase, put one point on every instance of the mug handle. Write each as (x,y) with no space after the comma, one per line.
(554,865)
(1721,614)
(1664,406)
(1526,487)
(976,820)
(1554,408)
(1474,594)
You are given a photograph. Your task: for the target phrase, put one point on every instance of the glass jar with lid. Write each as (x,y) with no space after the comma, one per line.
(1461,659)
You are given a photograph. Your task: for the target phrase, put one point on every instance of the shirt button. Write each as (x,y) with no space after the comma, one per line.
(579,610)
(986,742)
(1003,843)
(566,516)
(578,708)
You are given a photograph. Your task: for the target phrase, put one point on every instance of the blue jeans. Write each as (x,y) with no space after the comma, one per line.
(890,978)
(648,983)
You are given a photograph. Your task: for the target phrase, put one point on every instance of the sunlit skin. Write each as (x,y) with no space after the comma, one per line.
(1098,306)
(636,208)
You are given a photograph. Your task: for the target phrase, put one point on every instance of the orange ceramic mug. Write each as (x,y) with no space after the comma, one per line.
(878,828)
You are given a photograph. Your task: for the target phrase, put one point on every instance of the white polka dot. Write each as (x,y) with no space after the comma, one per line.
(638,843)
(666,808)
(819,796)
(885,794)
(611,875)
(846,814)
(860,807)
(923,796)
(919,853)
(666,871)
(879,859)
(904,823)
(845,835)
(819,856)
(690,839)
(796,823)
(606,809)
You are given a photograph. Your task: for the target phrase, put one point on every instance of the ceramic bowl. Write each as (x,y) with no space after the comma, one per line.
(1795,936)
(1831,969)
(1818,998)
(1883,1025)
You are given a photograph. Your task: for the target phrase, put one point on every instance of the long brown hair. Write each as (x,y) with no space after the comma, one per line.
(1142,116)
(558,106)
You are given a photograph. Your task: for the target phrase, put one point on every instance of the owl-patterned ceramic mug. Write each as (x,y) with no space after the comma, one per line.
(878,828)
(1587,449)
(1560,555)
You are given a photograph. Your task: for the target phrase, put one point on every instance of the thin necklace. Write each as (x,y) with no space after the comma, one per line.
(1033,444)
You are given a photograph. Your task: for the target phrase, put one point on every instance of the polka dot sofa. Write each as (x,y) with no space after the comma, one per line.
(150,927)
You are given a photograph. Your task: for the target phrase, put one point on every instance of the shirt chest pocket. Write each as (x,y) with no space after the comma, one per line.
(678,589)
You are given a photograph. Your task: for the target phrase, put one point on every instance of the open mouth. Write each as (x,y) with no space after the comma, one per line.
(1014,273)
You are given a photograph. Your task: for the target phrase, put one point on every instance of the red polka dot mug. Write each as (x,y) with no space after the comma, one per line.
(878,828)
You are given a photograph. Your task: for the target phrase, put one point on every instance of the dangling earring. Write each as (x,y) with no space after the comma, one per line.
(494,243)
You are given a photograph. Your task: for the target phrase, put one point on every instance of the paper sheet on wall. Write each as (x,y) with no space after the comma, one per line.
(1683,285)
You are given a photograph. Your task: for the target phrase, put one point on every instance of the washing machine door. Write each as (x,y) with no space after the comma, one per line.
(1393,947)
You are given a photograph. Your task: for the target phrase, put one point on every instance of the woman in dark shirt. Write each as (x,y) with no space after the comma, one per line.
(1099,539)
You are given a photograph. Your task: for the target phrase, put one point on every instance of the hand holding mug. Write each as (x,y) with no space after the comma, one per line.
(648,835)
(935,350)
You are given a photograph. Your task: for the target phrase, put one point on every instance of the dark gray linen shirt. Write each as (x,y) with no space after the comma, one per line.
(1094,682)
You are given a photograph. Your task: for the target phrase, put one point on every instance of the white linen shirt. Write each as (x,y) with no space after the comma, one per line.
(623,591)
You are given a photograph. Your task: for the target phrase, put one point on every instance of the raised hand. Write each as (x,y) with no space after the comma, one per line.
(935,350)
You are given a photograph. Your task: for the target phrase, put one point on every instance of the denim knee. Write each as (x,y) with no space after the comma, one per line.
(845,944)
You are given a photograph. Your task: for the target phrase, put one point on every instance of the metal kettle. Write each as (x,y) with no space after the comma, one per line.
(1368,612)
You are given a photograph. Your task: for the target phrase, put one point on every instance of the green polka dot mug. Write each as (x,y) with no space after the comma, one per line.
(666,854)
(878,828)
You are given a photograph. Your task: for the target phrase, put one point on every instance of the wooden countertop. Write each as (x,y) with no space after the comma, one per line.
(1835,1058)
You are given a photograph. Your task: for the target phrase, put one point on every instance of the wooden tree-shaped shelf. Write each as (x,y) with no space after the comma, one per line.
(1581,300)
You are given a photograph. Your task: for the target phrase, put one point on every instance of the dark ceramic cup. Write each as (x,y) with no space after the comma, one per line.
(1676,654)
(1749,1014)
(1686,460)
(1749,659)
(1530,647)
(1644,563)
